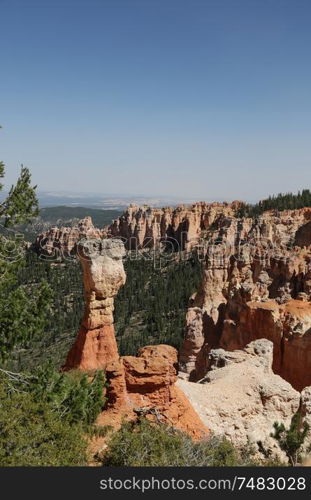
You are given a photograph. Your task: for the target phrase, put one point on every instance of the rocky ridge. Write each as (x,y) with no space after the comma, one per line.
(178,228)
(62,242)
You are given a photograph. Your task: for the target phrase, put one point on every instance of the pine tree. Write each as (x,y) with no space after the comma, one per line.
(287,201)
(23,310)
(21,204)
(292,439)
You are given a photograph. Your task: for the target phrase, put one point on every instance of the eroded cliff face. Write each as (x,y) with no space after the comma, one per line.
(179,228)
(137,385)
(257,283)
(287,325)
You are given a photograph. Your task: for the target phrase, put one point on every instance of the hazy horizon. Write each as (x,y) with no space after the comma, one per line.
(111,200)
(185,99)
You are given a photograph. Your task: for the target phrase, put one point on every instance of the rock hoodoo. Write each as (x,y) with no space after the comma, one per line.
(137,385)
(103,275)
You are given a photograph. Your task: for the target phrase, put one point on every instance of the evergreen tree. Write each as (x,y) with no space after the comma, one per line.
(21,204)
(23,310)
(278,203)
(75,396)
(151,307)
(292,439)
(31,434)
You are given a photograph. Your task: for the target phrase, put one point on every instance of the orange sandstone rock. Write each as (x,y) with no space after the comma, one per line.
(256,283)
(147,385)
(178,227)
(145,382)
(103,275)
(62,242)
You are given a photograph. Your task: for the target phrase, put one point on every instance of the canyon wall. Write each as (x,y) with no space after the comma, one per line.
(178,228)
(257,283)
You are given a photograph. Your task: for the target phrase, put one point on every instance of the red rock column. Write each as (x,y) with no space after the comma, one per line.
(103,275)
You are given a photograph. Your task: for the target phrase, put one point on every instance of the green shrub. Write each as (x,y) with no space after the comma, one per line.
(149,444)
(75,396)
(31,434)
(292,439)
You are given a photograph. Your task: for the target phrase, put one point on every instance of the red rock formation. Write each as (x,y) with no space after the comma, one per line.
(62,242)
(180,227)
(103,275)
(303,235)
(257,283)
(143,383)
(287,325)
(146,384)
(150,376)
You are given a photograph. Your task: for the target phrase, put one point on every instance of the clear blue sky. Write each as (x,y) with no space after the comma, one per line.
(198,98)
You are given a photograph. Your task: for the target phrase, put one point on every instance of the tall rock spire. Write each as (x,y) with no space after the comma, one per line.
(103,275)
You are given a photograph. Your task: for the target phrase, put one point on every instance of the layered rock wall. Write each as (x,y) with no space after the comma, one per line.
(180,228)
(257,283)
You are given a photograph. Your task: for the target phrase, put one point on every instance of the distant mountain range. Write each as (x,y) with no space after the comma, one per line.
(113,201)
(109,201)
